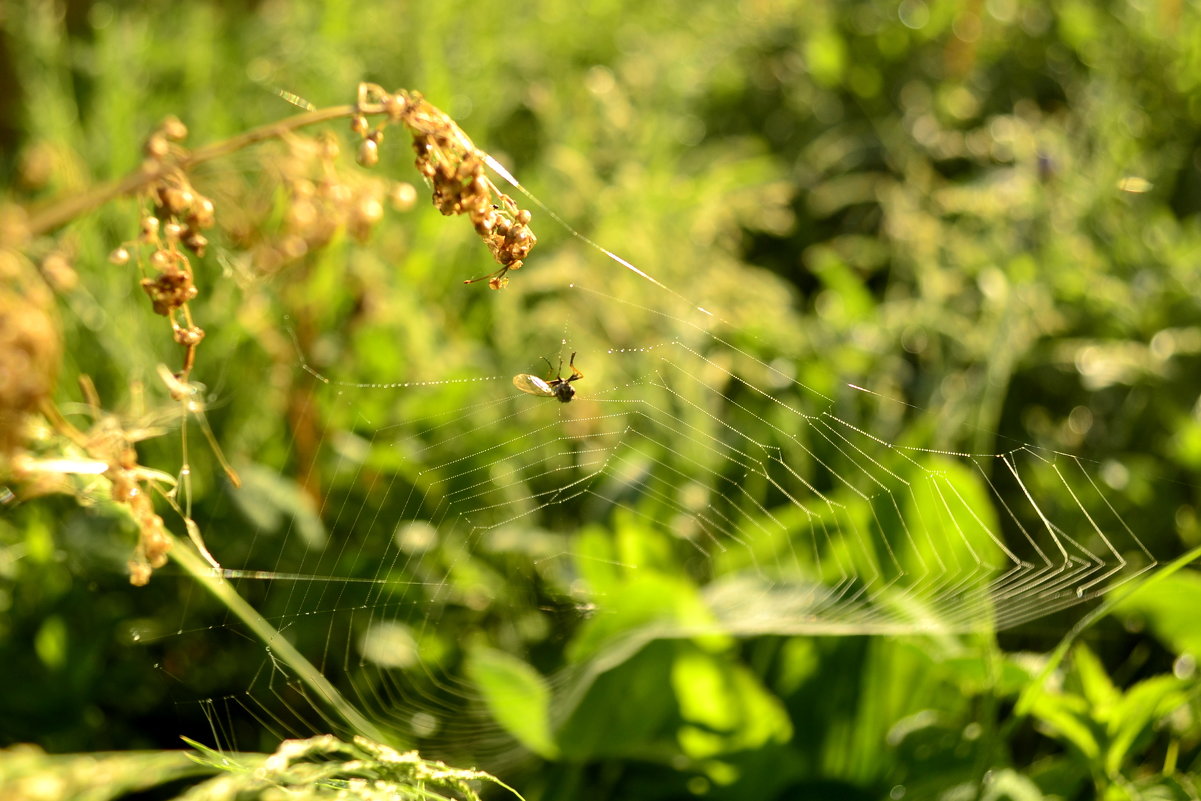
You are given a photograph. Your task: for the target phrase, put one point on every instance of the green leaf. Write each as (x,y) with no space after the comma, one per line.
(974,674)
(516,695)
(826,55)
(1007,784)
(1094,682)
(637,607)
(1145,703)
(1068,715)
(623,709)
(1170,608)
(51,642)
(948,527)
(724,706)
(269,501)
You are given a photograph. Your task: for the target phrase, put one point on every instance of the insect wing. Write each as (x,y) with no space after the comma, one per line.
(532,385)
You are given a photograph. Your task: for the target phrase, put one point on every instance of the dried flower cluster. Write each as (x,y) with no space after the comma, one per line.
(154,543)
(30,349)
(326,767)
(310,201)
(455,170)
(63,458)
(170,229)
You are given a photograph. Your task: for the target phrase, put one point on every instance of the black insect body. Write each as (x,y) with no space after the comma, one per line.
(557,387)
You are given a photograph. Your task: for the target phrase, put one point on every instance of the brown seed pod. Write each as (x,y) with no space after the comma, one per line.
(157,146)
(202,215)
(174,129)
(368,155)
(195,242)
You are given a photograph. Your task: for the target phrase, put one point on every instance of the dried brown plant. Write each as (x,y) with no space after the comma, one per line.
(320,199)
(455,170)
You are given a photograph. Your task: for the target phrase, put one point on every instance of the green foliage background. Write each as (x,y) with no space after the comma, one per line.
(929,200)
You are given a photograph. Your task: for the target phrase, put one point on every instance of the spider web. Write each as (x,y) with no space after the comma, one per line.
(695,487)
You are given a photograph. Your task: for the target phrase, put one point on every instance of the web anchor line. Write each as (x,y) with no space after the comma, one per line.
(508,176)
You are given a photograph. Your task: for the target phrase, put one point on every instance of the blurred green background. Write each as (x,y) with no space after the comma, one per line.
(990,211)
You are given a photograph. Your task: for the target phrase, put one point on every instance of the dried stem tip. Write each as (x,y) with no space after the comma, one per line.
(455,171)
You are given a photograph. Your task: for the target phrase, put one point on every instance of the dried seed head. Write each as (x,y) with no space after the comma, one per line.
(59,272)
(157,146)
(169,291)
(202,215)
(139,573)
(29,348)
(189,337)
(173,129)
(293,247)
(364,211)
(301,214)
(160,259)
(455,170)
(176,200)
(36,165)
(358,125)
(395,104)
(195,242)
(337,193)
(149,229)
(302,187)
(370,210)
(403,196)
(368,155)
(119,257)
(172,231)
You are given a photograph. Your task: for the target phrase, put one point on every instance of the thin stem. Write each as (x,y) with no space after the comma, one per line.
(224,592)
(61,212)
(1037,686)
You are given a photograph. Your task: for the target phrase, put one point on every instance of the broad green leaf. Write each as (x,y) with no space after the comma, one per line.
(1145,703)
(1178,787)
(1094,682)
(724,706)
(51,642)
(644,604)
(826,55)
(1007,784)
(950,518)
(516,695)
(1170,609)
(973,675)
(270,501)
(623,710)
(1068,715)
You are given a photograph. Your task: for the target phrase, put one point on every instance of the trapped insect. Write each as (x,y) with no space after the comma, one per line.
(557,387)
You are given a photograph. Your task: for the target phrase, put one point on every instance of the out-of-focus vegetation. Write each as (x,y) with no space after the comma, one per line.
(991,211)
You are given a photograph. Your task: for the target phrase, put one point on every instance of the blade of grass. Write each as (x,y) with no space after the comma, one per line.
(1035,688)
(283,650)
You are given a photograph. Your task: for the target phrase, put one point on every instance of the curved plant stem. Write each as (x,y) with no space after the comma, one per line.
(283,650)
(1036,687)
(61,212)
